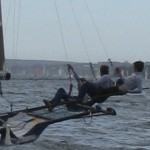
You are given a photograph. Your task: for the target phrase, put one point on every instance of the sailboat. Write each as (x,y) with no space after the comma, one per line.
(26,125)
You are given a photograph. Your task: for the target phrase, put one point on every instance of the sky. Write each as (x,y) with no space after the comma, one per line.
(77,30)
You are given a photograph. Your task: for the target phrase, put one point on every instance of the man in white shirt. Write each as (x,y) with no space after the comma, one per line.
(133,83)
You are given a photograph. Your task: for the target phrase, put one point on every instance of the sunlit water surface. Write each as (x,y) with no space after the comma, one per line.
(128,130)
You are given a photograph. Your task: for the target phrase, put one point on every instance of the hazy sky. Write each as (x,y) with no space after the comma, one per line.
(77,30)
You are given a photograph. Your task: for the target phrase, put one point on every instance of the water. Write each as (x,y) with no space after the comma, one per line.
(128,130)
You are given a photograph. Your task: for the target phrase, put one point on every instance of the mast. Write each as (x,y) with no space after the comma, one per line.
(3,74)
(2,57)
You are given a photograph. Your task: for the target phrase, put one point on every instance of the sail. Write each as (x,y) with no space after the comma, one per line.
(24,126)
(1,41)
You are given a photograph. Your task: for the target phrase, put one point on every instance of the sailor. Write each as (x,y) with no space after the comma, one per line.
(133,83)
(62,94)
(99,90)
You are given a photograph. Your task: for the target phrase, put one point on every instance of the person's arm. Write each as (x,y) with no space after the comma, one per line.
(139,87)
(70,89)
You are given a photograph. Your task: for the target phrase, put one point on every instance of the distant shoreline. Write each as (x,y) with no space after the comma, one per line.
(50,70)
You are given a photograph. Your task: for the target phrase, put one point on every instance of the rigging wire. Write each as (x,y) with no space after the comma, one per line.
(62,37)
(15,27)
(60,27)
(78,26)
(83,41)
(90,121)
(14,14)
(98,32)
(18,25)
(5,28)
(69,72)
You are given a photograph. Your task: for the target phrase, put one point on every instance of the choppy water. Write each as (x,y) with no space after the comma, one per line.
(128,130)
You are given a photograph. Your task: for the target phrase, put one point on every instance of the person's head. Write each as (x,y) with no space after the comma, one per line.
(104,69)
(138,66)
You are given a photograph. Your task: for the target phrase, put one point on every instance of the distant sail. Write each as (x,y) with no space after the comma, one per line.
(2,57)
